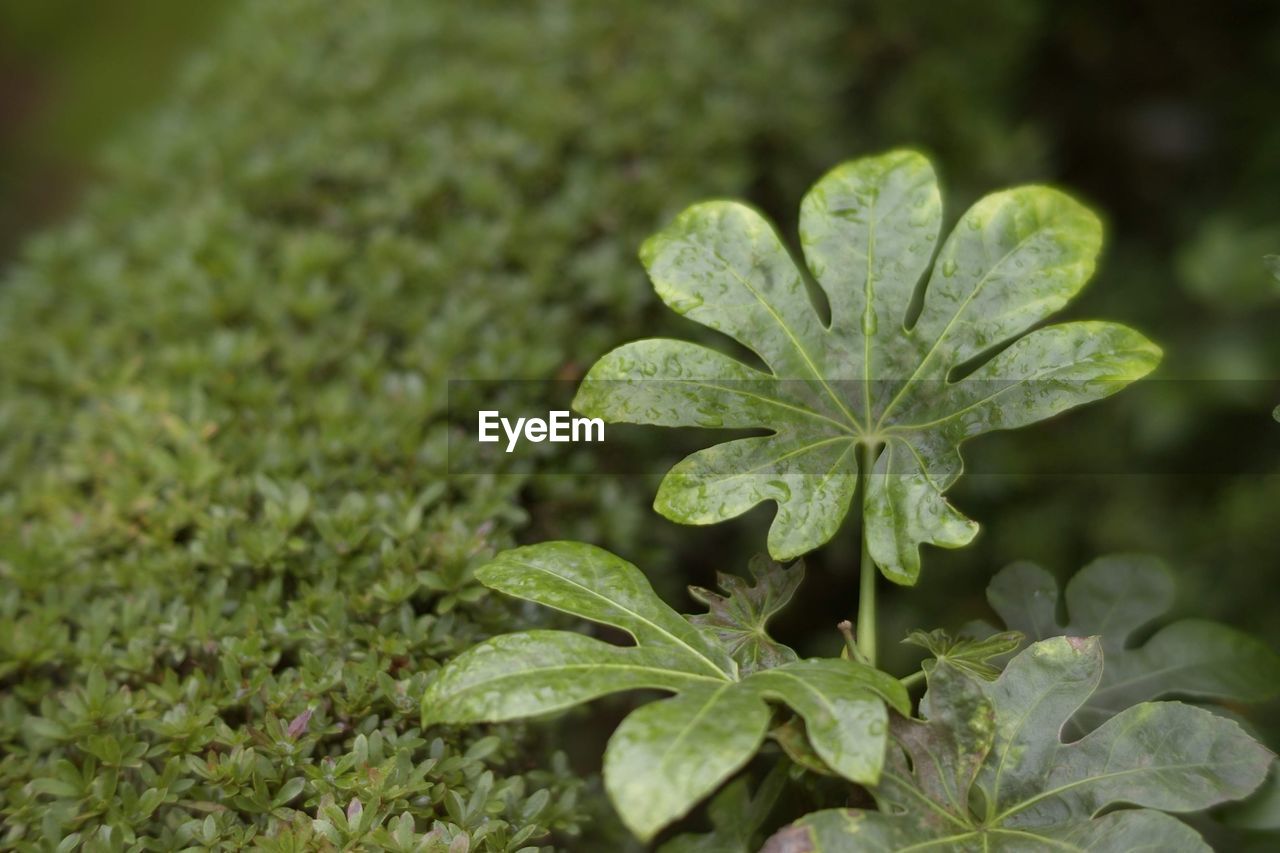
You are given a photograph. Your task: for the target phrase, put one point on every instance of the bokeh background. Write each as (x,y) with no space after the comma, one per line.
(457,191)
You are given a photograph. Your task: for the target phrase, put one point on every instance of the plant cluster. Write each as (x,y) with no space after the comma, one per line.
(866,390)
(229,562)
(229,558)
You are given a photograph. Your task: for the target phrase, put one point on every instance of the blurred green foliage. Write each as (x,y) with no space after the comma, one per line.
(228,554)
(221,402)
(71,74)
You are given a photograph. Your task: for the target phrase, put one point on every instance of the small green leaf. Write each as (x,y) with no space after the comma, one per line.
(987,770)
(739,620)
(55,787)
(668,755)
(967,654)
(1114,597)
(869,229)
(288,791)
(1273,264)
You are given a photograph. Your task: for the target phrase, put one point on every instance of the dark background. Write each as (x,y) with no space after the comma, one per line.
(72,75)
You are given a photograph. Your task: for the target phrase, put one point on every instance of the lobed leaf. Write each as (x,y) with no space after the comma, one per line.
(968,654)
(1163,755)
(1114,598)
(987,770)
(739,619)
(873,375)
(668,755)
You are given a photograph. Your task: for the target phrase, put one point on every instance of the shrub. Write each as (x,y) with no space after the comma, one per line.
(229,556)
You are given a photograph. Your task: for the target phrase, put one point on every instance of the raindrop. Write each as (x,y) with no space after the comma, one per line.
(685,304)
(782,489)
(709,417)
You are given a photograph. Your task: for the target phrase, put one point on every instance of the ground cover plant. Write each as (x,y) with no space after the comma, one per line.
(924,346)
(228,556)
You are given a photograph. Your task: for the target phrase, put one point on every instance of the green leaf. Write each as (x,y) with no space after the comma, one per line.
(539,672)
(869,229)
(591,583)
(739,619)
(986,769)
(1115,597)
(968,654)
(288,791)
(1273,264)
(839,830)
(843,706)
(668,755)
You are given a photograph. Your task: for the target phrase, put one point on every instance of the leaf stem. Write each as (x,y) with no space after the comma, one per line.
(913,678)
(851,649)
(866,568)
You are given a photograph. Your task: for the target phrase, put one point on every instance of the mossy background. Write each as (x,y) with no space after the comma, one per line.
(229,557)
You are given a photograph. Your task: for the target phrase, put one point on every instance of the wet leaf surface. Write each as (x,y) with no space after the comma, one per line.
(875,374)
(668,755)
(987,770)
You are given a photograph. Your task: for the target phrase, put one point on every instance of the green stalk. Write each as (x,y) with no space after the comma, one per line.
(866,568)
